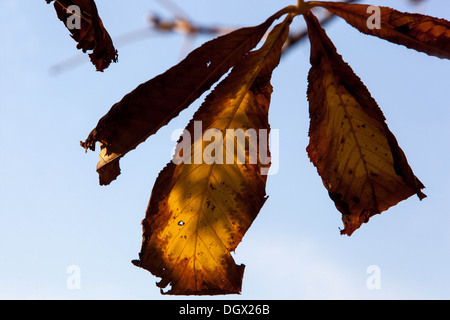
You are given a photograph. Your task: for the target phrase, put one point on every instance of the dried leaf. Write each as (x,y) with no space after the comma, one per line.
(356,155)
(199,211)
(154,103)
(90,33)
(415,31)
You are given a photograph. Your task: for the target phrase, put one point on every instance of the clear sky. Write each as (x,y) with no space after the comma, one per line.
(54,215)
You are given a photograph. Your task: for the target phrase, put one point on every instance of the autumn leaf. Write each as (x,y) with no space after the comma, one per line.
(200,210)
(356,155)
(89,33)
(154,103)
(415,31)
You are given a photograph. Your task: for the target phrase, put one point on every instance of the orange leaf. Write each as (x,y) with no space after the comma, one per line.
(415,31)
(90,33)
(356,155)
(154,103)
(199,211)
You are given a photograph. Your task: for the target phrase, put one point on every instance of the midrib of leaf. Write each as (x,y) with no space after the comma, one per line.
(353,132)
(238,104)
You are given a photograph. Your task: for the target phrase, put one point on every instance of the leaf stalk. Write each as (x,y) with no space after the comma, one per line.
(302,6)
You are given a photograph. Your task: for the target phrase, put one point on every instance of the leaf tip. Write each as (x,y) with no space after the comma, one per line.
(136,262)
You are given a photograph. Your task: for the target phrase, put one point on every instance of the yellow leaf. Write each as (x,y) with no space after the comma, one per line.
(199,212)
(357,156)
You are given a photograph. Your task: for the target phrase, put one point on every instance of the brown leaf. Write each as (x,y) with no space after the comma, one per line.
(90,34)
(415,31)
(154,103)
(200,210)
(356,155)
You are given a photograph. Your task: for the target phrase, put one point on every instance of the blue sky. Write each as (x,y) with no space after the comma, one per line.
(53,213)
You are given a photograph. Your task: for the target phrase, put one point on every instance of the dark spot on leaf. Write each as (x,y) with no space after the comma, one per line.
(341,205)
